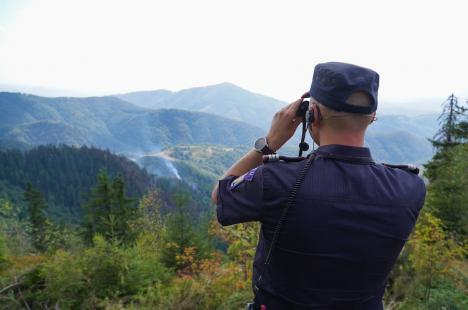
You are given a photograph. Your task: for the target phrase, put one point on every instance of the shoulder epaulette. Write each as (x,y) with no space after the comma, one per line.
(275,157)
(409,167)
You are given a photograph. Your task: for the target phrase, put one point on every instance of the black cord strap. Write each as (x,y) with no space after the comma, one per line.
(290,202)
(303,146)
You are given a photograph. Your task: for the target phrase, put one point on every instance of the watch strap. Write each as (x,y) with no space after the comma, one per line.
(266,150)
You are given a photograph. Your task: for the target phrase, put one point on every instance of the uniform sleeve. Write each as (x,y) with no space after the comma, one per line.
(240,199)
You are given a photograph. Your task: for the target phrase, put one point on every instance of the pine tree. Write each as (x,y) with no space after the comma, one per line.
(98,208)
(449,122)
(124,210)
(108,211)
(37,217)
(180,244)
(448,193)
(453,131)
(460,132)
(447,169)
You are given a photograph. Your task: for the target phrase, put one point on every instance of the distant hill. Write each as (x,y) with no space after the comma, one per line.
(402,139)
(112,123)
(226,99)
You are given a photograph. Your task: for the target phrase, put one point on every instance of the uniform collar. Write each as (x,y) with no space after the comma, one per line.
(345,150)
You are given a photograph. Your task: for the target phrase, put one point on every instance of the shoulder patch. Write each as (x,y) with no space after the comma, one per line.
(245,177)
(249,175)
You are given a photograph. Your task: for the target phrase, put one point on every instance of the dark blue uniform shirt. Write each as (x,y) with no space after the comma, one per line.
(341,238)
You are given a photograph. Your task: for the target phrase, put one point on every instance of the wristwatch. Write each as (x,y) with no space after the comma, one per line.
(261,146)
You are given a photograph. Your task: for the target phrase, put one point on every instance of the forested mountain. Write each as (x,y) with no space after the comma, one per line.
(225,99)
(65,175)
(113,123)
(109,122)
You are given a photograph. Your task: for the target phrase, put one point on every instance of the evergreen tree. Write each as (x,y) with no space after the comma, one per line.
(449,120)
(124,210)
(37,217)
(448,193)
(453,131)
(460,131)
(98,208)
(149,222)
(448,169)
(180,244)
(108,212)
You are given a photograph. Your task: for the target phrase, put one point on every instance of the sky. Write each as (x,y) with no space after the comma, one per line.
(419,48)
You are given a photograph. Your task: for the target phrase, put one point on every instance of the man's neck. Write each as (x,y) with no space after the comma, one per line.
(349,139)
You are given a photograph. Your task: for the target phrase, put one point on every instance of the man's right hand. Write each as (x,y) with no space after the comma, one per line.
(283,125)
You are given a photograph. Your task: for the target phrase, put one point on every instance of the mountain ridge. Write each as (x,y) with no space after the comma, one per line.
(112,123)
(224,99)
(125,127)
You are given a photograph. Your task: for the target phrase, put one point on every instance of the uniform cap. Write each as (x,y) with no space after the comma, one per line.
(334,82)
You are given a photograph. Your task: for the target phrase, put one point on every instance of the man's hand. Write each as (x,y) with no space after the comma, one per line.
(283,125)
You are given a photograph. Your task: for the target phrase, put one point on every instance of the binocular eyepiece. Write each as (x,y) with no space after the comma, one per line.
(303,107)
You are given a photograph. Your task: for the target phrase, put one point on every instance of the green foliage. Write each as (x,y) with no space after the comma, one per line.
(430,271)
(106,267)
(447,296)
(242,242)
(431,252)
(64,279)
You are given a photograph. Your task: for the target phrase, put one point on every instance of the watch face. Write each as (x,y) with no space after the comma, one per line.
(260,144)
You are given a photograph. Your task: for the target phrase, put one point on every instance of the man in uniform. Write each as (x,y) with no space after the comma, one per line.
(347,218)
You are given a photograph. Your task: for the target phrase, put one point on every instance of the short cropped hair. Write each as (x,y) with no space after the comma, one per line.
(344,120)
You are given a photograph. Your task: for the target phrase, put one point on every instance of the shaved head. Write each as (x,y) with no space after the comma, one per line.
(345,121)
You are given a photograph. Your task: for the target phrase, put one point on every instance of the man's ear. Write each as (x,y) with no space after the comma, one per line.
(317,116)
(373,118)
